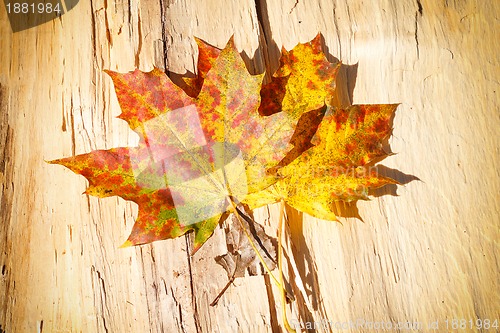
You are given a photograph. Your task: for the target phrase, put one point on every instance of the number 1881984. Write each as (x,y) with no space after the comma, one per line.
(464,324)
(28,8)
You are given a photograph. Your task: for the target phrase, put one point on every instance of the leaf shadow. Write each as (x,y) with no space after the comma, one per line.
(305,263)
(391,189)
(346,77)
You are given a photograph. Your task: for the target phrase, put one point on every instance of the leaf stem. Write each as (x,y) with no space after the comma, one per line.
(216,300)
(280,268)
(268,270)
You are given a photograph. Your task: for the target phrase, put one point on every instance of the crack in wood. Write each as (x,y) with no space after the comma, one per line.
(103,297)
(268,46)
(180,321)
(106,24)
(72,122)
(139,43)
(93,33)
(7,155)
(294,6)
(418,13)
(263,18)
(145,285)
(272,305)
(164,34)
(129,5)
(196,315)
(337,31)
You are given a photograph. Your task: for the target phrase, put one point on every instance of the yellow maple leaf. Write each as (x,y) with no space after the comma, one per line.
(340,166)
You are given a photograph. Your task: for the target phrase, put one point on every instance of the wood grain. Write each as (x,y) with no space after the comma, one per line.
(429,254)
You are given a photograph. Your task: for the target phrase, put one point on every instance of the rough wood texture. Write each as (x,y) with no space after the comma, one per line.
(427,255)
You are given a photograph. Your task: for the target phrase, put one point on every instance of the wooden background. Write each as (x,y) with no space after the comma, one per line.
(429,254)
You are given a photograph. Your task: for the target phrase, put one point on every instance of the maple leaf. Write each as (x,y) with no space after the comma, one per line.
(338,167)
(113,172)
(206,58)
(302,86)
(305,80)
(145,95)
(194,154)
(222,138)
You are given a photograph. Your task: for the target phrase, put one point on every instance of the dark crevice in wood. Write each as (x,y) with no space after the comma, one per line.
(72,121)
(6,209)
(420,8)
(164,34)
(93,34)
(180,321)
(63,125)
(418,13)
(139,43)
(337,31)
(268,48)
(294,6)
(106,24)
(263,17)
(102,299)
(196,315)
(416,34)
(145,286)
(272,305)
(129,16)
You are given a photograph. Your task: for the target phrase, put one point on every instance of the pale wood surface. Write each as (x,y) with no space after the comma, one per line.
(431,253)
